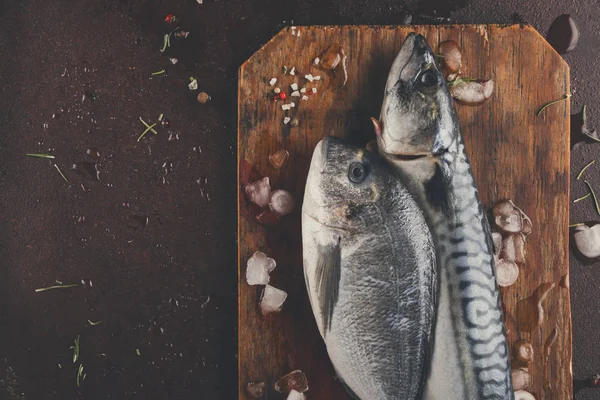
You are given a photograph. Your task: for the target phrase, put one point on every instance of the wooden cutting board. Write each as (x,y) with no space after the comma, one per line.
(514,153)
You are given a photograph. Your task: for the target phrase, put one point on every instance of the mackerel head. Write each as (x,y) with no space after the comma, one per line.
(418,134)
(369,265)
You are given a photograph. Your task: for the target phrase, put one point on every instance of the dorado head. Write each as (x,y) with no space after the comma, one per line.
(417,117)
(343,183)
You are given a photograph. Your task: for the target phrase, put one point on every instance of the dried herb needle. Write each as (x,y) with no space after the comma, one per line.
(582,198)
(79,373)
(594,196)
(55,287)
(149,128)
(76,350)
(92,323)
(584,168)
(162,71)
(564,98)
(577,224)
(61,174)
(39,155)
(137,351)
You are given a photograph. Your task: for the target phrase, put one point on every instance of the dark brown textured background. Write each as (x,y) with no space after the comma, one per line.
(161,275)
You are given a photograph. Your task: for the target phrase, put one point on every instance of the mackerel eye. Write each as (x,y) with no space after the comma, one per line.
(357,172)
(428,78)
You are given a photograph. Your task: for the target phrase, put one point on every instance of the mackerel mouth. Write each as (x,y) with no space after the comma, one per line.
(410,157)
(413,157)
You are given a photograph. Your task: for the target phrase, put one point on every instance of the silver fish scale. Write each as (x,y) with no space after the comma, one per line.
(378,314)
(464,249)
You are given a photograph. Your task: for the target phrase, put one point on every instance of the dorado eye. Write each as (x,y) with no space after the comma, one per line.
(429,78)
(357,172)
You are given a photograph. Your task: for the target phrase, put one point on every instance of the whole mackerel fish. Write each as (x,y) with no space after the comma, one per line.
(369,266)
(418,134)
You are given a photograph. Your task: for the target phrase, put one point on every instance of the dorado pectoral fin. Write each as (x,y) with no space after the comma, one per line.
(377,125)
(328,273)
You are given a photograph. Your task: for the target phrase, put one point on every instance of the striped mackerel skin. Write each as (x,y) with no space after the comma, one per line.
(465,251)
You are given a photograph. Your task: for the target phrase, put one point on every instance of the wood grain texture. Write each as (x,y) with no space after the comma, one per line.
(514,155)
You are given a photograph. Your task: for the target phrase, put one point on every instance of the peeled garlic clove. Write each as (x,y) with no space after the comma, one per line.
(512,223)
(255,390)
(520,252)
(452,56)
(471,92)
(259,192)
(587,240)
(524,351)
(503,208)
(508,249)
(507,273)
(282,202)
(272,300)
(279,158)
(295,380)
(523,395)
(520,379)
(497,240)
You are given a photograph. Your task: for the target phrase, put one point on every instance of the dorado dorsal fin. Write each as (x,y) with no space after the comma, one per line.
(328,273)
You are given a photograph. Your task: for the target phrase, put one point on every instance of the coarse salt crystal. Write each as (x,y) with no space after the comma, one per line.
(193,85)
(285,107)
(294,86)
(303,90)
(305,97)
(286,120)
(314,90)
(317,78)
(293,71)
(273,81)
(292,104)
(299,33)
(317,61)
(296,94)
(309,77)
(277,90)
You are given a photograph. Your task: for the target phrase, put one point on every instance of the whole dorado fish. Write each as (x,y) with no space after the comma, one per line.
(369,266)
(418,134)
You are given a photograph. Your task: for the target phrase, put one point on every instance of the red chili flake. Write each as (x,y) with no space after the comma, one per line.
(276,97)
(282,96)
(169,18)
